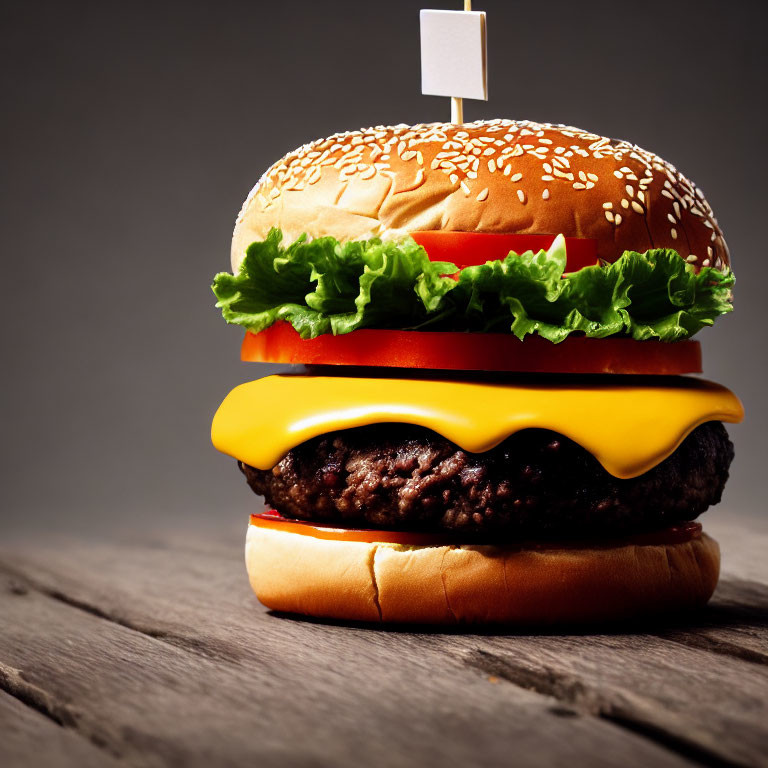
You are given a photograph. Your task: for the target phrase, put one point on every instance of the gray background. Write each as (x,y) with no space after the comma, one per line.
(132,131)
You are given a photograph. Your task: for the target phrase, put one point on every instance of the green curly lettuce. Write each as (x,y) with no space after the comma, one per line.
(322,286)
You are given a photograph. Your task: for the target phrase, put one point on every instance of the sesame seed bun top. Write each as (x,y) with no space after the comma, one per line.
(489,176)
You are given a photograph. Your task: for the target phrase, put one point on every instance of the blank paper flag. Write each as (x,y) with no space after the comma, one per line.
(453,54)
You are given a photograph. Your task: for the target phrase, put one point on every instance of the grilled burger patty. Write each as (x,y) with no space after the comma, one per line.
(536,483)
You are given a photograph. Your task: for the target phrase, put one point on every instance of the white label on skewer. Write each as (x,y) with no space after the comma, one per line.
(453,54)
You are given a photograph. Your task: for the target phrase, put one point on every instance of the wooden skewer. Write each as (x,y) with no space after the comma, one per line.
(457,103)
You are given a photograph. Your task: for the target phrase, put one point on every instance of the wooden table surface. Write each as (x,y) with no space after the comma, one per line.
(158,654)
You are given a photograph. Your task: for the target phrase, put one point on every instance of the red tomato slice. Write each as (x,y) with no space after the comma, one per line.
(465,249)
(472,352)
(273,520)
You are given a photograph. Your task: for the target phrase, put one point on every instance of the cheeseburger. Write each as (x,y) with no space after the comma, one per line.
(491,417)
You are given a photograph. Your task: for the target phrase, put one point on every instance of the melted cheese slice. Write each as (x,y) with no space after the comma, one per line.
(629,429)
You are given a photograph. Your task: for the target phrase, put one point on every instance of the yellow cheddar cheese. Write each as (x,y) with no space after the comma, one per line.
(628,427)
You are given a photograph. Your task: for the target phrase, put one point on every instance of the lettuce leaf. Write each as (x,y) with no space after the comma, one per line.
(323,286)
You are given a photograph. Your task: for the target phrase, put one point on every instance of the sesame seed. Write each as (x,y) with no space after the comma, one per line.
(471,174)
(705,263)
(547,177)
(517,177)
(489,151)
(671,218)
(637,208)
(547,167)
(592,176)
(545,194)
(673,232)
(492,165)
(482,196)
(582,175)
(607,206)
(710,252)
(367,174)
(618,174)
(609,216)
(454,178)
(464,186)
(419,158)
(507,170)
(692,258)
(618,219)
(630,190)
(521,196)
(579,185)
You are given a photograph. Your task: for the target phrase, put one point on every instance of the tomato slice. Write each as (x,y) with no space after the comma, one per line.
(676,534)
(465,249)
(472,352)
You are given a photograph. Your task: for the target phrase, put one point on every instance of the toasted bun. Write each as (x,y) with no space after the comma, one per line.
(360,581)
(496,176)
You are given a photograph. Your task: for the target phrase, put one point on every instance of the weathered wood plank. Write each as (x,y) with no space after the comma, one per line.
(234,684)
(684,695)
(712,703)
(734,624)
(743,543)
(29,738)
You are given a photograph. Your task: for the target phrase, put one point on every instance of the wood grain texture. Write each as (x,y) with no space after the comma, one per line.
(166,657)
(256,688)
(30,738)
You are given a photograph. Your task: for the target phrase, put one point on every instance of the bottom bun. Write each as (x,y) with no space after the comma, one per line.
(451,584)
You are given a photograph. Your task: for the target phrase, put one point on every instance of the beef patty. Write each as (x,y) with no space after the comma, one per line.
(536,483)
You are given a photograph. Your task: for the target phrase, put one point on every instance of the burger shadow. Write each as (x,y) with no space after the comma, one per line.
(738,610)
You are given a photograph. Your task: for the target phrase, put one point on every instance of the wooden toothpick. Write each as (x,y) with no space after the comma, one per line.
(457,109)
